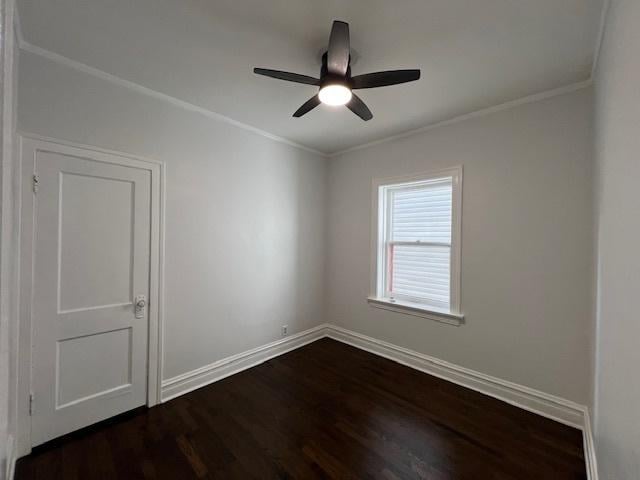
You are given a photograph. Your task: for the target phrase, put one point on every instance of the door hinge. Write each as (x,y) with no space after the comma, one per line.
(36,182)
(31,404)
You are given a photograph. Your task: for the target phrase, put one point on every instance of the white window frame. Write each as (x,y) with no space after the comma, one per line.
(379,215)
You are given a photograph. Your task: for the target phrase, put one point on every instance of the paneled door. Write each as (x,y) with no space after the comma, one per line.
(90,288)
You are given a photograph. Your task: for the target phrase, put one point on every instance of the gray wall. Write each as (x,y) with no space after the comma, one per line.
(617,405)
(245,219)
(526,243)
(8,235)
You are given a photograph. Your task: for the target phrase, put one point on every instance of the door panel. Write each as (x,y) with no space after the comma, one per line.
(79,359)
(91,260)
(104,250)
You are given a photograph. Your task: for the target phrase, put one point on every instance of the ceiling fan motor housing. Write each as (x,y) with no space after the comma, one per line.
(327,78)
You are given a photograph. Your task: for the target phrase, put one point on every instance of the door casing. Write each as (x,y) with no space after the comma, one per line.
(28,145)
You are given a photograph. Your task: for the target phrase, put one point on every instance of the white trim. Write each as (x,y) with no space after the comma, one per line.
(598,47)
(81,67)
(10,458)
(535,401)
(17,26)
(8,232)
(589,447)
(187,382)
(25,208)
(62,60)
(377,247)
(416,310)
(161,284)
(84,146)
(475,114)
(549,406)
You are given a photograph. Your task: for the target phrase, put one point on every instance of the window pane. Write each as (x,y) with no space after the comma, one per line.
(420,273)
(422,213)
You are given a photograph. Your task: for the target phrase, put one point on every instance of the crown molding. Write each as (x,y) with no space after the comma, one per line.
(60,59)
(17,26)
(81,67)
(598,47)
(475,114)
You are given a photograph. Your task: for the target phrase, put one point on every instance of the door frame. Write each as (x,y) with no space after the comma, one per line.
(28,142)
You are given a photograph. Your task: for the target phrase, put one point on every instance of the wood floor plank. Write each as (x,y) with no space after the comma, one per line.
(326,410)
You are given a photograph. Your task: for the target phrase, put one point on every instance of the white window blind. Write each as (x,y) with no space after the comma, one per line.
(417,243)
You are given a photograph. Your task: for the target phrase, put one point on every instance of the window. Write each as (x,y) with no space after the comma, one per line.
(417,245)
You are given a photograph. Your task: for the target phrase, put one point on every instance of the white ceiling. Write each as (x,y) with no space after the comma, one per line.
(473,54)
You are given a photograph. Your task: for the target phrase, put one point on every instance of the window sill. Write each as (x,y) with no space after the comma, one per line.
(416,310)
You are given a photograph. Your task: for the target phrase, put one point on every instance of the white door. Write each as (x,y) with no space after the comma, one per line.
(91,260)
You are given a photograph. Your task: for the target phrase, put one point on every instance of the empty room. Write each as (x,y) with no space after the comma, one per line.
(343,239)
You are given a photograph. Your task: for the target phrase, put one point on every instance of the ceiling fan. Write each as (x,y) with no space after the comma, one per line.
(335,82)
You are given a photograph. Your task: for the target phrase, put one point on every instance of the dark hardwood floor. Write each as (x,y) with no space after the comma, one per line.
(326,410)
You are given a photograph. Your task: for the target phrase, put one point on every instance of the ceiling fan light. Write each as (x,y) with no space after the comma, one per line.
(335,95)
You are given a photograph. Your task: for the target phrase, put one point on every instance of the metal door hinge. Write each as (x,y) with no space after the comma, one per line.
(31,404)
(36,182)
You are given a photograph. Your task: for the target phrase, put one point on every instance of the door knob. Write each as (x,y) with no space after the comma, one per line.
(141,304)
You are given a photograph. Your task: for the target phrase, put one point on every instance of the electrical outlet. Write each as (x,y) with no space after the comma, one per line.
(285,329)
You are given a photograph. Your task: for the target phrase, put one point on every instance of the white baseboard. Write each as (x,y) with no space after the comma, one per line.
(187,382)
(589,447)
(535,401)
(11,458)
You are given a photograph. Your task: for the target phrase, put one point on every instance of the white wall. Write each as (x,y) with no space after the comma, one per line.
(617,412)
(245,218)
(526,243)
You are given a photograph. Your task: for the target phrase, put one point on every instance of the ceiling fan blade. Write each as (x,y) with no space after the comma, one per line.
(307,106)
(288,76)
(383,79)
(357,106)
(339,49)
